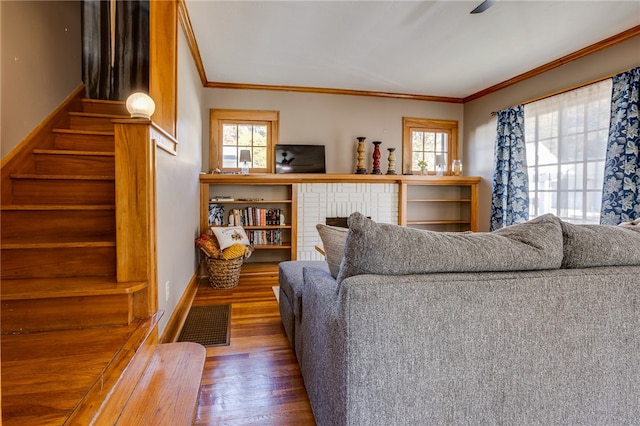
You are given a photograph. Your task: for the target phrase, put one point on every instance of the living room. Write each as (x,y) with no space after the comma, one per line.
(46,67)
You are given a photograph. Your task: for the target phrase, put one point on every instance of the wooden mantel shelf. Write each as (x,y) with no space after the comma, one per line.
(286,178)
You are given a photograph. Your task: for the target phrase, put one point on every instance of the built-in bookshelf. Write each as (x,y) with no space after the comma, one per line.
(450,207)
(265,211)
(440,203)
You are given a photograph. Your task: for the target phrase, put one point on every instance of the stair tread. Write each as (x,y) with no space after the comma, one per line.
(84,132)
(98,115)
(167,392)
(55,207)
(72,152)
(37,288)
(59,177)
(33,243)
(104,101)
(108,394)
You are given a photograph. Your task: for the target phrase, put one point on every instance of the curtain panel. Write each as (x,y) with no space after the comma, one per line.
(115,48)
(510,197)
(621,188)
(96,49)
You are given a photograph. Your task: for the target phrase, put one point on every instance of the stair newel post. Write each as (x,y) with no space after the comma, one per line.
(135,187)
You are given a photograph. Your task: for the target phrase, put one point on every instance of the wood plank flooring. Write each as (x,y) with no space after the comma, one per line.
(256,379)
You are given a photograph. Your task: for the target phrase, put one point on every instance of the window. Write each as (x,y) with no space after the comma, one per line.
(566,141)
(424,139)
(232,131)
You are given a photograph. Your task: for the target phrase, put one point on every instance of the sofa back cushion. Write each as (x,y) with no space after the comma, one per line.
(379,248)
(333,241)
(587,246)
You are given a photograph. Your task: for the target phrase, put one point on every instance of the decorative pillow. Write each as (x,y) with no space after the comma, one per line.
(207,245)
(333,240)
(586,246)
(378,248)
(229,235)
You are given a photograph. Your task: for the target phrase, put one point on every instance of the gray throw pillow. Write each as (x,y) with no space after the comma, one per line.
(333,240)
(379,248)
(587,246)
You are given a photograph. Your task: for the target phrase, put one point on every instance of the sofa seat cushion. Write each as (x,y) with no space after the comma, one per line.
(290,280)
(385,249)
(587,246)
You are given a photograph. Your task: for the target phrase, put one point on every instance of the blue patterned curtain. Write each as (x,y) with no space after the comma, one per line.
(510,193)
(621,189)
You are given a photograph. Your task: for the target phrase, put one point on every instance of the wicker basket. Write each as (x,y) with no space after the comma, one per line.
(224,273)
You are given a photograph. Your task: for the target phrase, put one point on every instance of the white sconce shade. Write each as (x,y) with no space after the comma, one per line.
(140,105)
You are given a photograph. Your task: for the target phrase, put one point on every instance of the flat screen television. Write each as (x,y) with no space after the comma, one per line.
(300,159)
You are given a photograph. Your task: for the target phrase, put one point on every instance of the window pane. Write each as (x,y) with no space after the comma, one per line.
(245,134)
(429,142)
(259,157)
(260,136)
(229,157)
(568,134)
(229,134)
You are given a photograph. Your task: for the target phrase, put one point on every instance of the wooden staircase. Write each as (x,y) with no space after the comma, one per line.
(58,271)
(58,232)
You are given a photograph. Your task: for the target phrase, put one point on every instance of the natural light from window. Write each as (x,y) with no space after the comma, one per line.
(566,142)
(236,137)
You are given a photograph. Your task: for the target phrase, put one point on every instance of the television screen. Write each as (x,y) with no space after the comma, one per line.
(300,159)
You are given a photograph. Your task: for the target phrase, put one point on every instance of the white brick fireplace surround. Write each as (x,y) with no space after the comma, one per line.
(318,201)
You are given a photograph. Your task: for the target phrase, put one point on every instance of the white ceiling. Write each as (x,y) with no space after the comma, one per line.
(433,48)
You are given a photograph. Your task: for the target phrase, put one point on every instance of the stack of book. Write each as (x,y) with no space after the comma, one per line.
(265,237)
(256,216)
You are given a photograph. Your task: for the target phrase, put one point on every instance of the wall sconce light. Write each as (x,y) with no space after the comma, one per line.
(245,157)
(140,105)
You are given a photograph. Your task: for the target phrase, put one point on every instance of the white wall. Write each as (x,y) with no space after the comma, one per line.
(41,63)
(480,127)
(178,191)
(333,120)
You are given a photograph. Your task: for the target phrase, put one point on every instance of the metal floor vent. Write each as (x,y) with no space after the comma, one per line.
(207,325)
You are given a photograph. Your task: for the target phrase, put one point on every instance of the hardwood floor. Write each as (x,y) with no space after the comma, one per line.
(255,380)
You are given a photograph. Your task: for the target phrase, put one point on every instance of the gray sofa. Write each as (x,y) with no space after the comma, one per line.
(538,323)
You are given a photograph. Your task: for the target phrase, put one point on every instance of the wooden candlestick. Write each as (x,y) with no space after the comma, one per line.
(360,169)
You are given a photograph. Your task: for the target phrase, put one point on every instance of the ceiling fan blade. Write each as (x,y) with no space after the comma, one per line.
(486,4)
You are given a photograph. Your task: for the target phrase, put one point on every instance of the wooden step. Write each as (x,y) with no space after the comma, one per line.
(54,222)
(45,376)
(84,140)
(41,288)
(43,260)
(100,106)
(88,163)
(91,121)
(62,189)
(167,393)
(45,304)
(105,399)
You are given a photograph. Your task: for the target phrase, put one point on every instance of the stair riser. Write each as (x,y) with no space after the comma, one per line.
(75,165)
(57,224)
(81,142)
(104,107)
(100,124)
(58,262)
(65,192)
(65,313)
